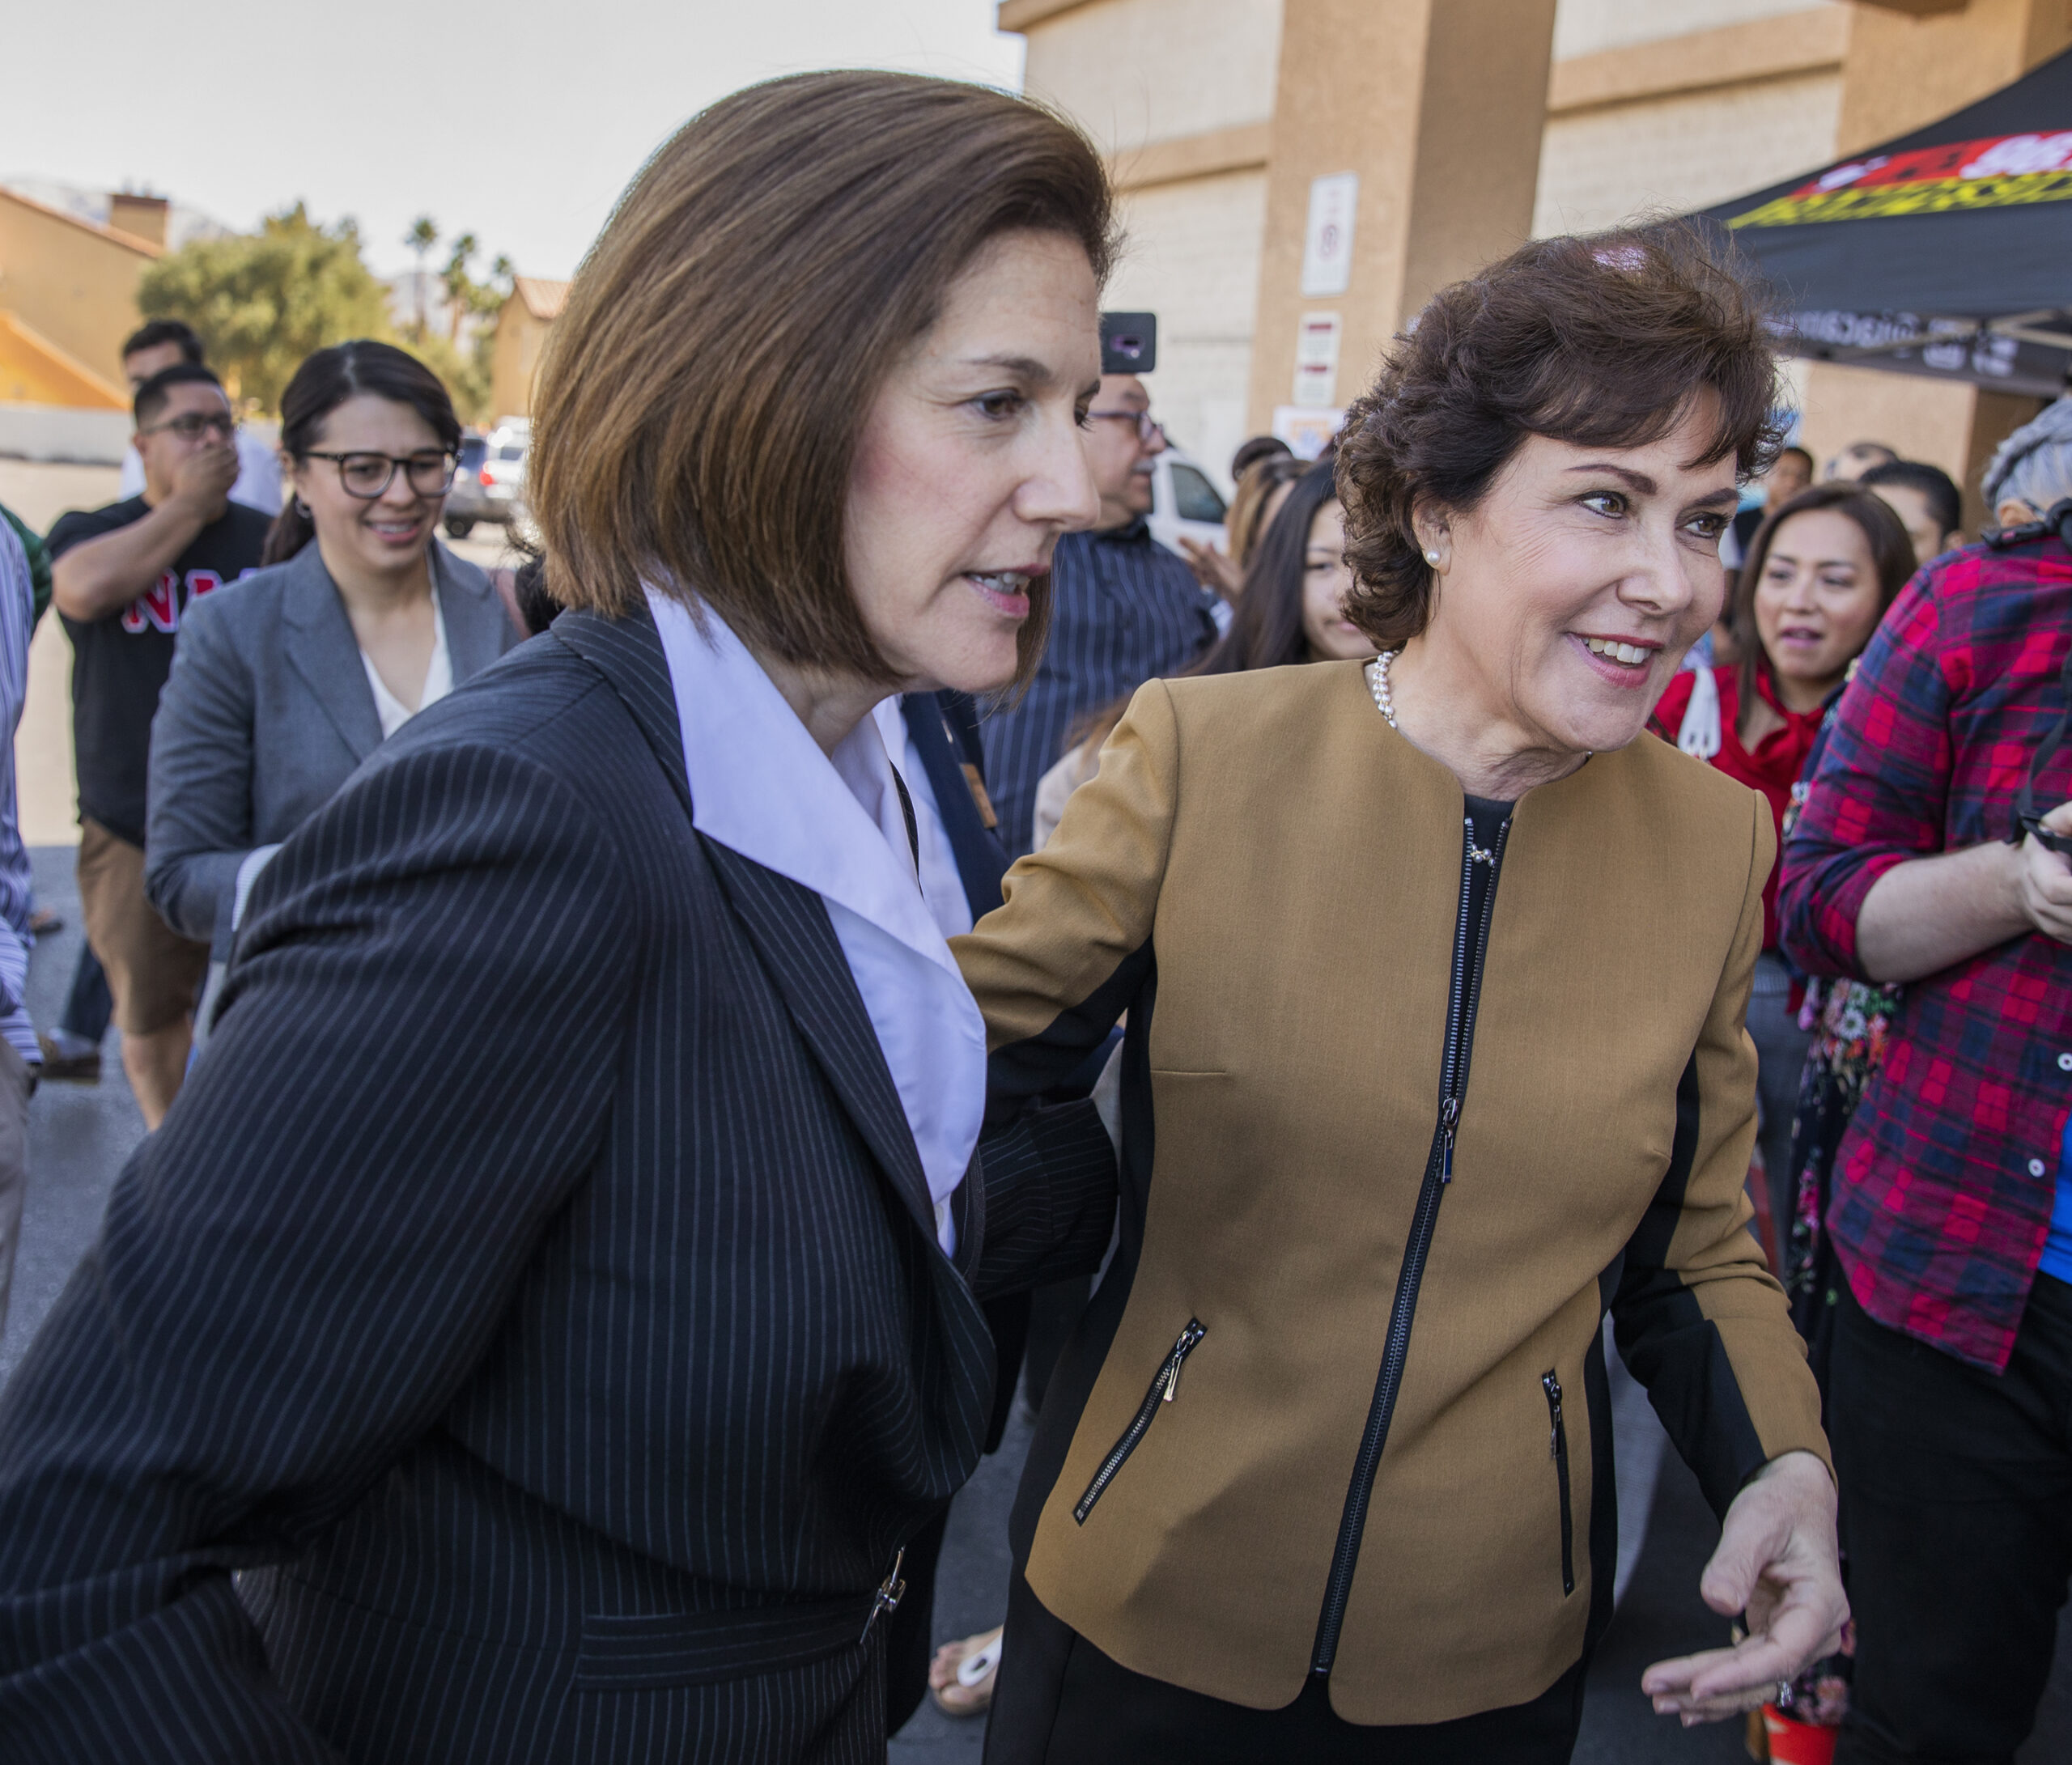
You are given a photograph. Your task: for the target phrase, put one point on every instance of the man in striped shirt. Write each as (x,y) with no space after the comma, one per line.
(20,1061)
(1123,610)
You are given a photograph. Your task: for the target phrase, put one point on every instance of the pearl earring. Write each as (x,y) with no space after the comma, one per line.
(1432,558)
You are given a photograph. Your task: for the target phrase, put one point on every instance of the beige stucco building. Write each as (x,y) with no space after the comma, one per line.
(68,297)
(1472,124)
(527,314)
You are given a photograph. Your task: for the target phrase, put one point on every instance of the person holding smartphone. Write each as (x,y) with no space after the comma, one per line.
(1933,850)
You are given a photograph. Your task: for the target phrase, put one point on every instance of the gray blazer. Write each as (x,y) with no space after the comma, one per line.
(267,712)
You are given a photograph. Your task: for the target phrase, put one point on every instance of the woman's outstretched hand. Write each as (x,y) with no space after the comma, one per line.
(1777,1563)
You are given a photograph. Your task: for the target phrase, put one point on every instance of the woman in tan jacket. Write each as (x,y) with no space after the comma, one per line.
(1434,969)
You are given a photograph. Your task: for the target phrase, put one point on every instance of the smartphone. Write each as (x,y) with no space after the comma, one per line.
(1129,342)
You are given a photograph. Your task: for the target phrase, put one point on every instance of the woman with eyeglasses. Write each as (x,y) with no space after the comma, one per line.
(281,686)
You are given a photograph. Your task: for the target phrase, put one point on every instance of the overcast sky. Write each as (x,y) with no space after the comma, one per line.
(519,120)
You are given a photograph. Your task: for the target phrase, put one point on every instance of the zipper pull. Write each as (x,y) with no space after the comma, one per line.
(1449,1115)
(1553,1387)
(1178,1358)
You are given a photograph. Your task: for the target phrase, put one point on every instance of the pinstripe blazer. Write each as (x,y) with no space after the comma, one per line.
(534,1292)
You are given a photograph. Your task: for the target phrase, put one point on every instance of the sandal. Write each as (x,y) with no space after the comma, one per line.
(961,1677)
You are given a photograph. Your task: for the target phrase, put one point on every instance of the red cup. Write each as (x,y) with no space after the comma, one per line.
(1794,1742)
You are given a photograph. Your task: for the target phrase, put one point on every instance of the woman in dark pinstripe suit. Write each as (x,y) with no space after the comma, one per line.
(554,1298)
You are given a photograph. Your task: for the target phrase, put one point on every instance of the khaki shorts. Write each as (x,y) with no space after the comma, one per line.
(152,971)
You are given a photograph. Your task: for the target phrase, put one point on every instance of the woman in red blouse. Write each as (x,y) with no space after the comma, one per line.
(1819,574)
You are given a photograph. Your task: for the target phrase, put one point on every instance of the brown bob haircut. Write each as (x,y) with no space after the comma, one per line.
(1891,556)
(1603,340)
(702,390)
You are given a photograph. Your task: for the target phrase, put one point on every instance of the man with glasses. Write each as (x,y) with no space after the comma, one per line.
(1123,610)
(121,578)
(165,343)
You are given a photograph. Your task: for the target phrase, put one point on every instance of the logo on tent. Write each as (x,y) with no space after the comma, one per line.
(1999,171)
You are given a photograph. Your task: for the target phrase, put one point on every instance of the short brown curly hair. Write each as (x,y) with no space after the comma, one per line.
(1601,340)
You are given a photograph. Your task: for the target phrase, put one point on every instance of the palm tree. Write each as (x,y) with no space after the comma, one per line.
(422,235)
(459,285)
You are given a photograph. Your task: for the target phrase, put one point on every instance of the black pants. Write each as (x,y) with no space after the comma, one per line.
(90,1005)
(1061,1701)
(1957,1518)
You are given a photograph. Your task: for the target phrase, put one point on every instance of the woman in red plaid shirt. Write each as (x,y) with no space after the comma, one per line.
(1950,1397)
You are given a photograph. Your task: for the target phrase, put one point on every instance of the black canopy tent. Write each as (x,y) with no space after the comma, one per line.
(1948,252)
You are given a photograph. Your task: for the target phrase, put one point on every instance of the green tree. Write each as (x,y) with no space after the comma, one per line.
(262,301)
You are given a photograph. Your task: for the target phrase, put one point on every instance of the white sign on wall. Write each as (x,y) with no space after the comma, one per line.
(1316,360)
(1307,432)
(1327,245)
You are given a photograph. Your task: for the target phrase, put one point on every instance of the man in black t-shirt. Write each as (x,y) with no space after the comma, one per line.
(121,578)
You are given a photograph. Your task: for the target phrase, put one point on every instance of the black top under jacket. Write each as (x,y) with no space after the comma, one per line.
(534,1290)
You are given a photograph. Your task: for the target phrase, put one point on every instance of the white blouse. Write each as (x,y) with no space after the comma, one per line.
(438,678)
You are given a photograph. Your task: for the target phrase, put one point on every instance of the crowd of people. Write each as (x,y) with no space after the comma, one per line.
(631,1108)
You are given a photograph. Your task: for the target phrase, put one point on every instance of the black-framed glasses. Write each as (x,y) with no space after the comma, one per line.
(197,423)
(1147,428)
(368,475)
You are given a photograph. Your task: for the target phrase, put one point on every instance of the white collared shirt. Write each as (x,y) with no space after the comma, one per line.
(760,786)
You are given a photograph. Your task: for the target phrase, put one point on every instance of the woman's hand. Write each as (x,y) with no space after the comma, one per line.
(2044,879)
(1930,913)
(1214,568)
(1777,1563)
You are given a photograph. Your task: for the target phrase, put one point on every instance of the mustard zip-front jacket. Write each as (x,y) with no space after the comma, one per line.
(1340,1402)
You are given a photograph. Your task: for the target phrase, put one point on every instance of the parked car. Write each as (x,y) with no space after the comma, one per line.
(489,483)
(1183,500)
(466,502)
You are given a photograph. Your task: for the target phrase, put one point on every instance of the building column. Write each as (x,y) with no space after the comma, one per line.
(1437,106)
(1909,62)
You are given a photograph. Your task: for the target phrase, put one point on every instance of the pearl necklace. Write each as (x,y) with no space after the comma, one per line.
(1378,684)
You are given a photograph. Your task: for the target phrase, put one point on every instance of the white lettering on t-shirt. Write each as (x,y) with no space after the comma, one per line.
(158,608)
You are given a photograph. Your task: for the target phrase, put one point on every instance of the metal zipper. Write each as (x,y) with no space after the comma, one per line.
(1557,1448)
(1438,1174)
(1163,1384)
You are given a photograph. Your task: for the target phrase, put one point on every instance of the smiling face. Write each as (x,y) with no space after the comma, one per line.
(1568,594)
(1817,602)
(388,534)
(1331,637)
(972,462)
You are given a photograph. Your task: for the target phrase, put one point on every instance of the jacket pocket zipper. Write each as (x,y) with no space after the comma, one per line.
(1557,1446)
(1163,1384)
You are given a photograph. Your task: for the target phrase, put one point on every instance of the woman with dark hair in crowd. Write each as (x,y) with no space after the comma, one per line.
(1292,610)
(1293,607)
(1262,486)
(1820,573)
(284,683)
(556,1295)
(1325,1473)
